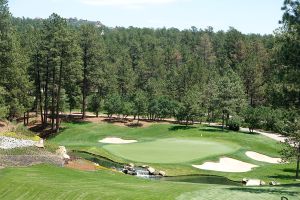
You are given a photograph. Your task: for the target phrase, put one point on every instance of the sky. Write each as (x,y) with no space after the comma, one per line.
(248,16)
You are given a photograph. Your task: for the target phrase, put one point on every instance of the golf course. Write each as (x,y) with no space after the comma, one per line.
(149,100)
(175,148)
(168,147)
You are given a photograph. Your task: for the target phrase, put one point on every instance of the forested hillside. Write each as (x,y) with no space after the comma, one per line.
(54,65)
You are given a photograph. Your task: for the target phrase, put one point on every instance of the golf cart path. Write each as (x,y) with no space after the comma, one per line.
(274,136)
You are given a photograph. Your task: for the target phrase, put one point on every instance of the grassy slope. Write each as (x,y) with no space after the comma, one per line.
(85,136)
(48,182)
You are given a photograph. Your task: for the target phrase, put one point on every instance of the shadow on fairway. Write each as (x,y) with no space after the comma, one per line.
(273,190)
(80,122)
(282,176)
(290,175)
(176,128)
(290,170)
(212,129)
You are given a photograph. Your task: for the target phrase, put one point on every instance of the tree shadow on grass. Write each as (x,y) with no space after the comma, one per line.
(80,122)
(176,128)
(290,170)
(134,125)
(283,176)
(212,129)
(274,191)
(289,175)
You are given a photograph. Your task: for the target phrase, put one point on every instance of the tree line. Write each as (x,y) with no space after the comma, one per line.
(53,65)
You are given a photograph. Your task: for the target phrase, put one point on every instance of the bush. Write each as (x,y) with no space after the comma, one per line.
(234,124)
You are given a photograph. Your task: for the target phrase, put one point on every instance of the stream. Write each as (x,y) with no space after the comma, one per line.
(141,172)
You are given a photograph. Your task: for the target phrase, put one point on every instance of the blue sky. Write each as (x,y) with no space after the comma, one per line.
(248,16)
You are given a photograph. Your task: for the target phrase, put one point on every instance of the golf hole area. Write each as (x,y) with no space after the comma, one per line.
(171,150)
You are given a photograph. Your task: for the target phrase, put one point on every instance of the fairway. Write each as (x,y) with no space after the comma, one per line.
(171,150)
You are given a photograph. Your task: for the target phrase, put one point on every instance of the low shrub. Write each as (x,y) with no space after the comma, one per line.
(234,124)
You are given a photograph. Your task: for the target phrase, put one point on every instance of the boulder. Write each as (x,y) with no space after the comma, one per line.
(62,151)
(131,165)
(144,166)
(253,182)
(274,183)
(40,144)
(151,170)
(244,180)
(162,173)
(128,167)
(156,173)
(133,173)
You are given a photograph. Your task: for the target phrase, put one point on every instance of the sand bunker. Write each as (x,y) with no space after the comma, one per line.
(263,158)
(115,140)
(226,165)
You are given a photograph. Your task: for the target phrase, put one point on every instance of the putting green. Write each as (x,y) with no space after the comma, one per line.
(171,150)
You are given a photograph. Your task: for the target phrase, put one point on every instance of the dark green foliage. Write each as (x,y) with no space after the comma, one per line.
(140,103)
(14,82)
(113,104)
(234,123)
(95,104)
(189,109)
(253,118)
(291,152)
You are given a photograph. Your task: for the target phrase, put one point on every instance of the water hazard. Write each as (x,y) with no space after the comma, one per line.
(142,172)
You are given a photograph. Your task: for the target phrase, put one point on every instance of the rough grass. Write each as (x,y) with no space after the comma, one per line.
(47,183)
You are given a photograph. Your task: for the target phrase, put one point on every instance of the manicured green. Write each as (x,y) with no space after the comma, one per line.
(45,182)
(171,150)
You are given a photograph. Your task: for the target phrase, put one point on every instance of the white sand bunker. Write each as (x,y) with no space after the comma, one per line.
(263,158)
(226,165)
(116,140)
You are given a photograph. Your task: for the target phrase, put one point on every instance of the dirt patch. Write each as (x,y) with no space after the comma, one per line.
(5,126)
(125,122)
(28,160)
(81,164)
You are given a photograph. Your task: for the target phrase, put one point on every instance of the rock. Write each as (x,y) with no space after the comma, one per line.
(145,166)
(131,165)
(151,170)
(40,144)
(128,167)
(244,180)
(274,183)
(125,171)
(62,151)
(162,173)
(253,182)
(133,173)
(96,164)
(156,173)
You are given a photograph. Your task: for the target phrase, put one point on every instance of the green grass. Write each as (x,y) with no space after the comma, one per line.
(47,183)
(175,147)
(85,137)
(171,150)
